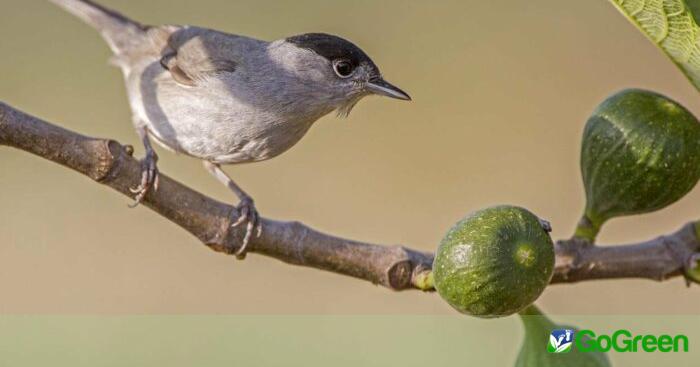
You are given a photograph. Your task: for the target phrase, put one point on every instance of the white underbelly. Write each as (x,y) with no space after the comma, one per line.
(208,123)
(225,138)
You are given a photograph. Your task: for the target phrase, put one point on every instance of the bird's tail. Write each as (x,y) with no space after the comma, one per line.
(120,32)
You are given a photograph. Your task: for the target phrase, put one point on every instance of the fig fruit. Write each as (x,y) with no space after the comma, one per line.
(640,153)
(537,349)
(494,262)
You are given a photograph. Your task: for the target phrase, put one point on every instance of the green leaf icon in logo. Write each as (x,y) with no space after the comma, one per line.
(560,341)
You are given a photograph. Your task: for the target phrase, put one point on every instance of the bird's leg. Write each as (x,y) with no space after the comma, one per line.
(149,169)
(246,208)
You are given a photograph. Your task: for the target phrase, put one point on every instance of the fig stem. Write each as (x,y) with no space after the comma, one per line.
(424,280)
(587,229)
(535,320)
(696,226)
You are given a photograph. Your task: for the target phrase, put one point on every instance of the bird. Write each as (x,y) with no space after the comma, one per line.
(226,98)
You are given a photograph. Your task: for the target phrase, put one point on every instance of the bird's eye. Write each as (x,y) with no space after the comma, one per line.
(343,68)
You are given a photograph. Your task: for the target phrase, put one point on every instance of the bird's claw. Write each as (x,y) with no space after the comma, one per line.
(149,178)
(249,215)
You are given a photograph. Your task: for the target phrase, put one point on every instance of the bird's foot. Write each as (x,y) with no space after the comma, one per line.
(249,215)
(149,178)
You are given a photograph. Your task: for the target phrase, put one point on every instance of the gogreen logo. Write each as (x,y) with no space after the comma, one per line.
(563,340)
(560,341)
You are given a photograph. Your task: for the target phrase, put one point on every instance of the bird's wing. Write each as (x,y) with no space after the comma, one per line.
(194,54)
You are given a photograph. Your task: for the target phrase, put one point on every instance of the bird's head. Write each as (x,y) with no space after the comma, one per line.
(339,70)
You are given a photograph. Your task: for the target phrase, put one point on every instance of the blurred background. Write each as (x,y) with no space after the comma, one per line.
(501,93)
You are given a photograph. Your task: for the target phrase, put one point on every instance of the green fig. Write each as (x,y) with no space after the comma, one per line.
(536,350)
(640,153)
(494,262)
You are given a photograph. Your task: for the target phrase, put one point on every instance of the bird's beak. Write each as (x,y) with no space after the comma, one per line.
(381,87)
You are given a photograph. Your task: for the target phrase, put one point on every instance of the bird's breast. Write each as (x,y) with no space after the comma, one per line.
(222,119)
(264,143)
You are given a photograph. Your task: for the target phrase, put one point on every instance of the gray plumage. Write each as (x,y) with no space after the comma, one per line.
(226,98)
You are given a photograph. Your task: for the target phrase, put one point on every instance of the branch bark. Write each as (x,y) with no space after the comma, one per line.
(395,267)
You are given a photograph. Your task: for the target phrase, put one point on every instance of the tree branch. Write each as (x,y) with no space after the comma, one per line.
(395,267)
(656,259)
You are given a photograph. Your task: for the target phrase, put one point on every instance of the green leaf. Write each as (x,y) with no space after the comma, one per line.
(694,6)
(673,26)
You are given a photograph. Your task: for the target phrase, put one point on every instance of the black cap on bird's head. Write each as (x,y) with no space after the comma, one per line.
(346,58)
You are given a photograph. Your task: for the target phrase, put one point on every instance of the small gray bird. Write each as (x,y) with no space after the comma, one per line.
(229,99)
